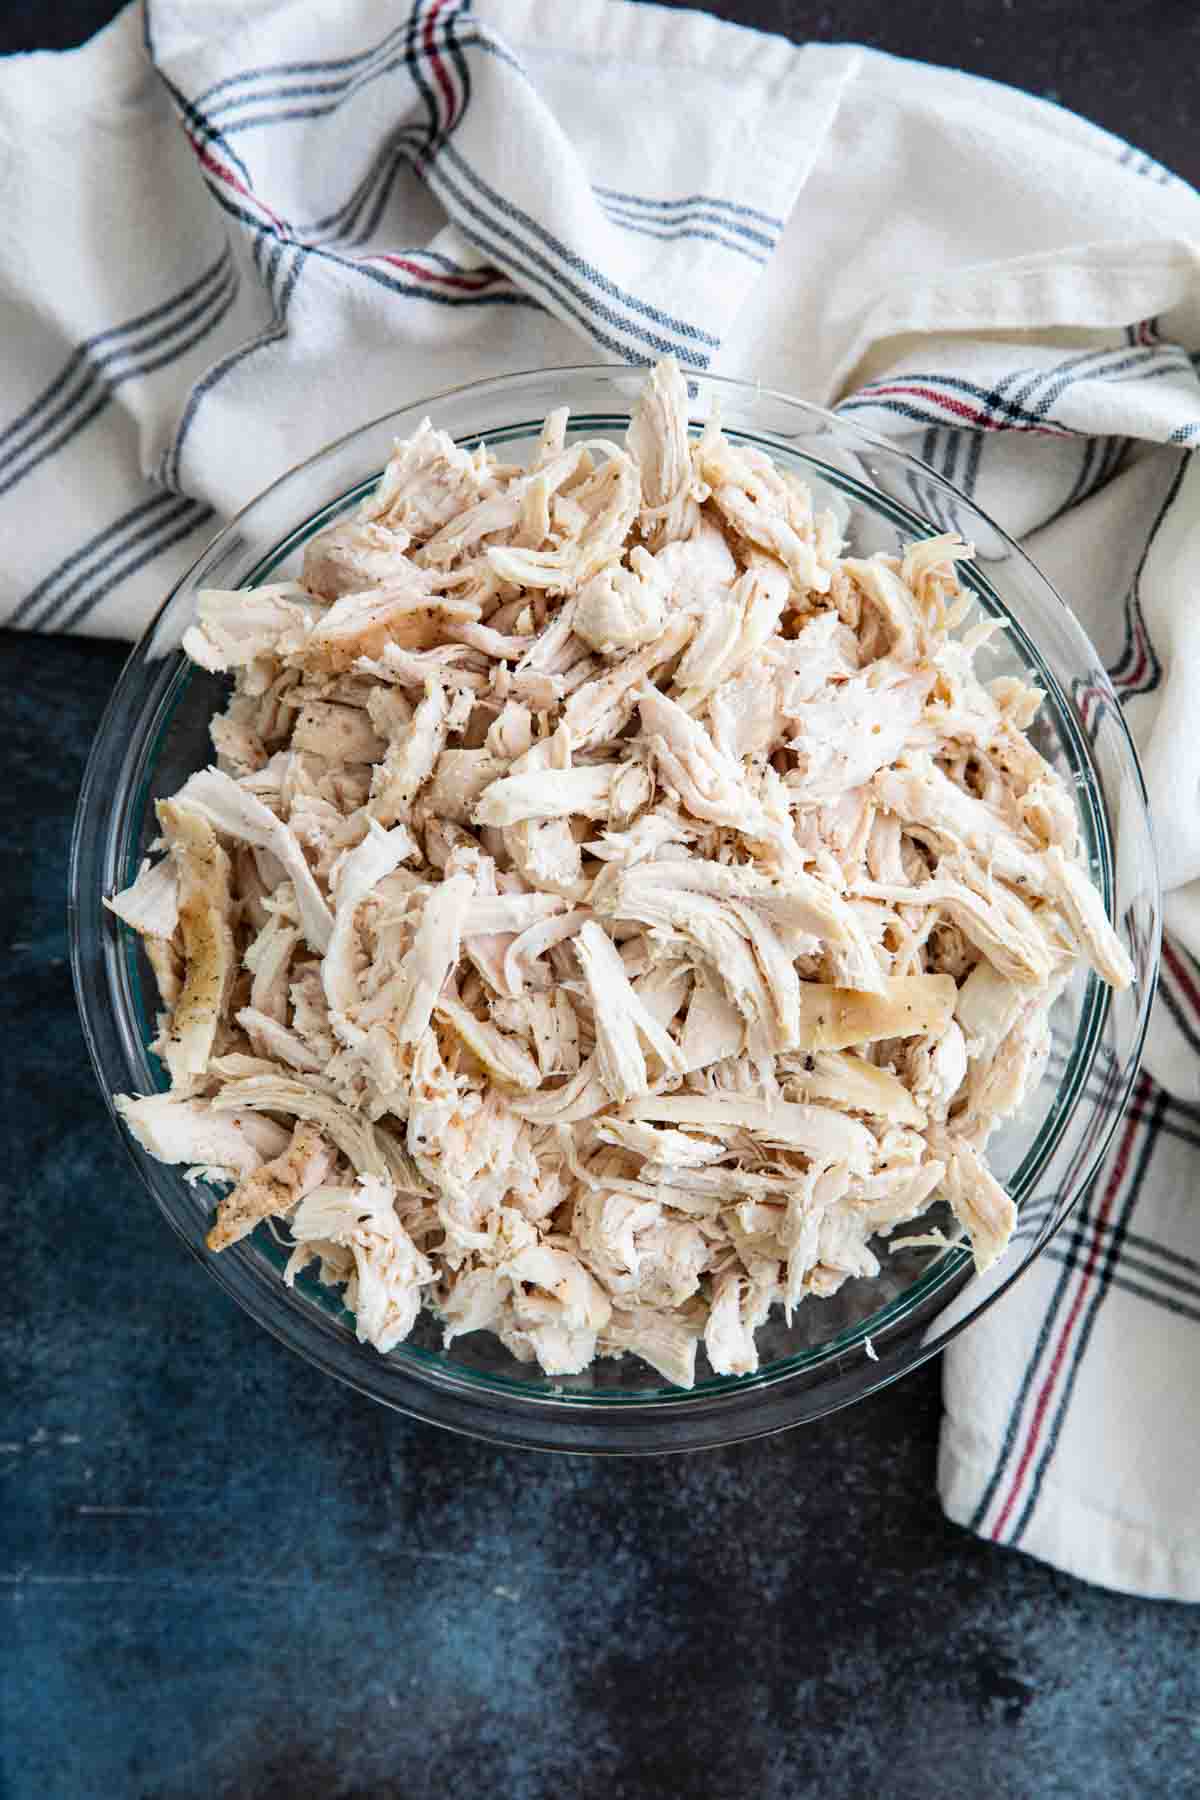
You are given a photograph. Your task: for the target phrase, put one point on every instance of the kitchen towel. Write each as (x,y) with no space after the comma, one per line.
(234,231)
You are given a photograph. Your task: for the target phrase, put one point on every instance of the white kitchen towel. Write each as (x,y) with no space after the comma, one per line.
(233,231)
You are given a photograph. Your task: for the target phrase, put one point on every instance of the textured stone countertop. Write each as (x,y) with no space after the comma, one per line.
(222,1575)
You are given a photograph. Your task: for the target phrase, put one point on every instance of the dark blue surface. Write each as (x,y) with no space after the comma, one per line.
(222,1577)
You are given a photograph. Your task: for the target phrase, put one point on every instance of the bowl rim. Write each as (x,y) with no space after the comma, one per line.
(458,1402)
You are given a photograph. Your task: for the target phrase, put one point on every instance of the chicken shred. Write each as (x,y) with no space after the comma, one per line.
(272,1190)
(611,907)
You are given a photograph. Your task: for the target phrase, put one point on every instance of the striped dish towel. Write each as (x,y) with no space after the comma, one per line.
(234,232)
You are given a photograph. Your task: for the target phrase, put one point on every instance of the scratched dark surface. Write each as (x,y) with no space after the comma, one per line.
(224,1578)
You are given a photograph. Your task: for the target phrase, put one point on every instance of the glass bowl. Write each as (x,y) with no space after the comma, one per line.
(154,733)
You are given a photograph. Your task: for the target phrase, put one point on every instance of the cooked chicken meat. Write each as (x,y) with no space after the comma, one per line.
(610,908)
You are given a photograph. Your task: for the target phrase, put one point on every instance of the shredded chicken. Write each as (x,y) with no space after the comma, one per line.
(611,907)
(272,1190)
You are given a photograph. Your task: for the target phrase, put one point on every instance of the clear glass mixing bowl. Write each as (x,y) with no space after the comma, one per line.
(154,734)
